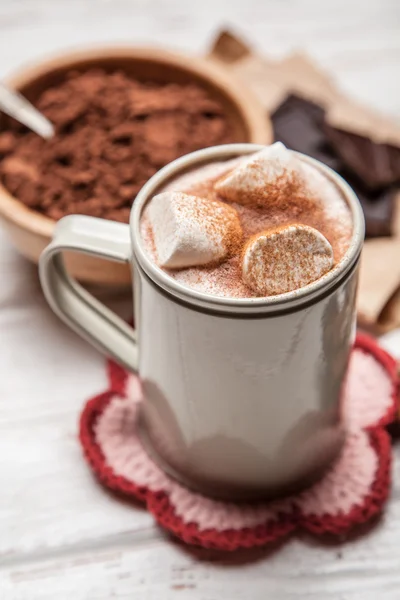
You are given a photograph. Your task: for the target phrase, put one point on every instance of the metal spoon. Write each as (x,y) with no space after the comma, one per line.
(15,105)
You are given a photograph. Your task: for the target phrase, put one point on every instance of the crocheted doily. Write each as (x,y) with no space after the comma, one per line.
(352,492)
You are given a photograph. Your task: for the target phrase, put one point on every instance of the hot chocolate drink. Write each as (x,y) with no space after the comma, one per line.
(253,226)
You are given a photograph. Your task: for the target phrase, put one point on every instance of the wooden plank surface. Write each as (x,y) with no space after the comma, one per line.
(62,536)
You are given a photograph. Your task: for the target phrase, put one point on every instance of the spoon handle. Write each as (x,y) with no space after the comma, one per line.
(15,105)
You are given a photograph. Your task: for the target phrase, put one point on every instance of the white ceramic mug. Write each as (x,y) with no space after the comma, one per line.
(242,396)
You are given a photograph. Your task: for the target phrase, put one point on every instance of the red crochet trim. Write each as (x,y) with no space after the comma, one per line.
(159,505)
(368,344)
(94,455)
(337,525)
(229,539)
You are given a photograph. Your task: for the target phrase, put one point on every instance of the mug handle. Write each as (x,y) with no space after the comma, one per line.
(73,304)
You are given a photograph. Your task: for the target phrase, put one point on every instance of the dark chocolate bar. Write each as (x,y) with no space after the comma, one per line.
(300,125)
(377,165)
(378,207)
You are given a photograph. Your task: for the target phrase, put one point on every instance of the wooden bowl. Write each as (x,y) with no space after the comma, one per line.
(29,230)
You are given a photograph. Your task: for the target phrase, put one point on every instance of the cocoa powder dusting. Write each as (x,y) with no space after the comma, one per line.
(112,134)
(284,259)
(219,221)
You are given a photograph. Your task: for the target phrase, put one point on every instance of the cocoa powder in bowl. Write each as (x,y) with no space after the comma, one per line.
(112,134)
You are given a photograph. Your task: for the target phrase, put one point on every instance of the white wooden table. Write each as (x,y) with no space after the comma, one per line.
(61,535)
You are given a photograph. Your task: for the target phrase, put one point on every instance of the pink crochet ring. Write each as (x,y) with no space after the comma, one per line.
(352,492)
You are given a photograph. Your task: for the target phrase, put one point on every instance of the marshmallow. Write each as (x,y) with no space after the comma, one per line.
(190,231)
(284,259)
(263,178)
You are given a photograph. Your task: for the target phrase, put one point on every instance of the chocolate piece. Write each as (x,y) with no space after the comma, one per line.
(378,207)
(298,123)
(377,165)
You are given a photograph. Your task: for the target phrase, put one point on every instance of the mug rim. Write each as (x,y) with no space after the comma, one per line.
(291,299)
